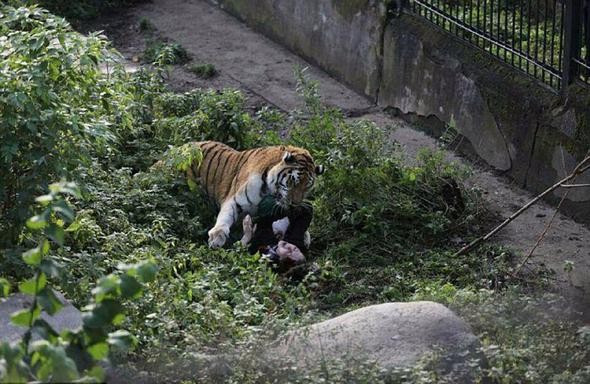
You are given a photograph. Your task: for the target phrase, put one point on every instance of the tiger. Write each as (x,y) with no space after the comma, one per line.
(238,180)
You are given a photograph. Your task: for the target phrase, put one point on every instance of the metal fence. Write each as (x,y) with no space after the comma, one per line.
(547,39)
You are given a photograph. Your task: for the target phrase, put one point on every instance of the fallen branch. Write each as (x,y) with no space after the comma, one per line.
(574,185)
(580,168)
(541,237)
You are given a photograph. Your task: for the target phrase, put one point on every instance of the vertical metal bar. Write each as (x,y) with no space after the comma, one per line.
(586,37)
(491,35)
(571,40)
(437,6)
(499,32)
(553,33)
(506,40)
(561,43)
(545,37)
(520,35)
(466,34)
(477,19)
(485,22)
(456,11)
(471,11)
(528,34)
(498,27)
(536,38)
(514,41)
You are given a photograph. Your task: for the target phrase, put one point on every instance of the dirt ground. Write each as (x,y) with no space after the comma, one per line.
(264,71)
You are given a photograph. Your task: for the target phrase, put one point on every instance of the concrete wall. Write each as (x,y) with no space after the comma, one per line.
(516,125)
(341,36)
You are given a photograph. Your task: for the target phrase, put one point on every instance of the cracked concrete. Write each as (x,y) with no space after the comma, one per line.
(264,71)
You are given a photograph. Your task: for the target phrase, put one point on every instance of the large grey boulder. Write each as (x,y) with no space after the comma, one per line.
(68,318)
(393,335)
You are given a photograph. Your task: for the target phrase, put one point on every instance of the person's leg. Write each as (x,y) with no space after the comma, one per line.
(263,236)
(299,221)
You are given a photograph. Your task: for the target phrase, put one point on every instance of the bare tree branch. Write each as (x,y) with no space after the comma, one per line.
(580,168)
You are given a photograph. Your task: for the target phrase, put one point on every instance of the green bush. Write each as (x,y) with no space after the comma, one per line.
(53,106)
(73,354)
(80,10)
(165,53)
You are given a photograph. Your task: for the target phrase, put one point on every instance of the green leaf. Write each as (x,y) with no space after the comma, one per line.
(55,233)
(50,267)
(146,271)
(121,339)
(106,285)
(97,372)
(44,199)
(68,188)
(25,317)
(53,363)
(49,302)
(39,221)
(130,287)
(45,330)
(98,351)
(34,256)
(103,314)
(4,287)
(64,209)
(33,286)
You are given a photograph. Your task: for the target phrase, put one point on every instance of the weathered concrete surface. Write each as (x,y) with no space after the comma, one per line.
(393,335)
(511,122)
(425,81)
(343,37)
(68,318)
(247,60)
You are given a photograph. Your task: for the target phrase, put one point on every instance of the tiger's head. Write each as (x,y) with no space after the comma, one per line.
(293,177)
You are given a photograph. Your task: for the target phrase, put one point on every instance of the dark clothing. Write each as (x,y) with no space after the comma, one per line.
(299,220)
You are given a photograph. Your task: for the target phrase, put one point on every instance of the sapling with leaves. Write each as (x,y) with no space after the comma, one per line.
(73,354)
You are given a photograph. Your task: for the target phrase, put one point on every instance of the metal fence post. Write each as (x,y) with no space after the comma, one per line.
(572,24)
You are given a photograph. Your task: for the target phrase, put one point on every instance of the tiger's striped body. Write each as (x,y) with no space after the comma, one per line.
(239,180)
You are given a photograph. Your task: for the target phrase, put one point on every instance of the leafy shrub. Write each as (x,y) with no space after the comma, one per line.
(526,337)
(53,106)
(73,354)
(80,10)
(165,53)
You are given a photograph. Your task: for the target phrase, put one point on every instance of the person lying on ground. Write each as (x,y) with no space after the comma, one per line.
(279,234)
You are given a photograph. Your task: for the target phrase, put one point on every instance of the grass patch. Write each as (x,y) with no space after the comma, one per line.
(146,26)
(204,71)
(162,53)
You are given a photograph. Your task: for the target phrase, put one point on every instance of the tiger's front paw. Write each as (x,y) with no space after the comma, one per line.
(217,237)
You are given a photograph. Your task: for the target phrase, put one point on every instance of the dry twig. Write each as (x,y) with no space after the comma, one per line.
(583,166)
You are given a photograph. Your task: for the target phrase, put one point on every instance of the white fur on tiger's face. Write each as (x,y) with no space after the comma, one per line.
(293,178)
